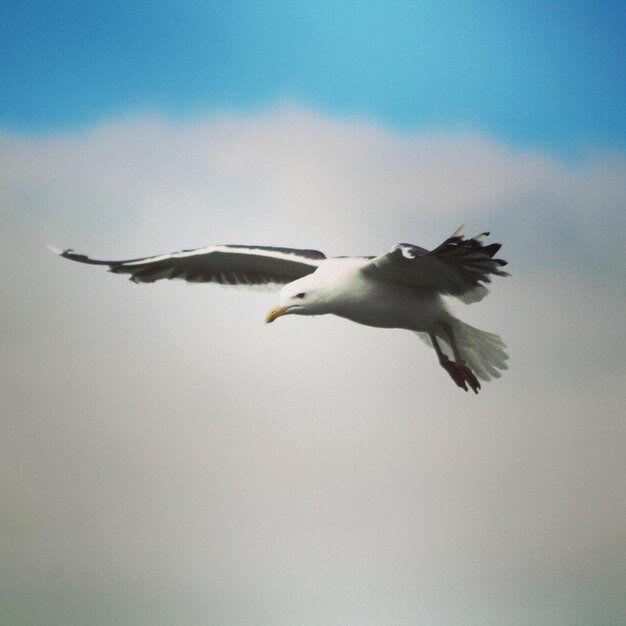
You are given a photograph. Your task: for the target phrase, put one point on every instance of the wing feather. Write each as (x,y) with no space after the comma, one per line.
(458,267)
(226,265)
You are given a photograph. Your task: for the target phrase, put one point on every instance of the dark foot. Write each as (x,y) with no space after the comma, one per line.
(460,374)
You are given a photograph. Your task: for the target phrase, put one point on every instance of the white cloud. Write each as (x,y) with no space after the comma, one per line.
(168,459)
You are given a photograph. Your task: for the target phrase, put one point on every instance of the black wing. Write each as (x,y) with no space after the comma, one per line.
(226,265)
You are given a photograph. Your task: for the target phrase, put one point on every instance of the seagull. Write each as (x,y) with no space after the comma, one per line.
(401,288)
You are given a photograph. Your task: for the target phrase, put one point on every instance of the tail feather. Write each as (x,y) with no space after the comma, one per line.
(483,352)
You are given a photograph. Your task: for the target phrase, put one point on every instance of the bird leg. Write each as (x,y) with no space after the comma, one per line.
(470,377)
(460,373)
(448,365)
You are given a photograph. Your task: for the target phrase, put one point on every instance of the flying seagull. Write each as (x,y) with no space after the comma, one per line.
(401,288)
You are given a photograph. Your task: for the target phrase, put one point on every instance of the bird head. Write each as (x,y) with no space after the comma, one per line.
(298,297)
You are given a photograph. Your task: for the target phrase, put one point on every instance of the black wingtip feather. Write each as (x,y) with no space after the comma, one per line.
(81,258)
(491,249)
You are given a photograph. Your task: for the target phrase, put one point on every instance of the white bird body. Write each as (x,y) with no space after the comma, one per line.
(401,288)
(342,288)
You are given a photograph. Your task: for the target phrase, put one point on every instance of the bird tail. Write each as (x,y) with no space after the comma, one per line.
(483,352)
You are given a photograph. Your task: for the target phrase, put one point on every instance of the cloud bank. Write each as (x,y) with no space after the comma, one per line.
(168,459)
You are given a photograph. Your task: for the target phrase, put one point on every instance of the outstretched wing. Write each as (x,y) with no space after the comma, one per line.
(458,267)
(226,265)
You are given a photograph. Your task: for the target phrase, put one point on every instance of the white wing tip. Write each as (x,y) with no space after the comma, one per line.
(481,237)
(459,232)
(55,249)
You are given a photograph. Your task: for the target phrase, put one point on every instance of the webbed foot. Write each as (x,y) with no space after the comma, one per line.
(461,374)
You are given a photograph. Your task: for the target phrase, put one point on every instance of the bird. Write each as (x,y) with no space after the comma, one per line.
(405,287)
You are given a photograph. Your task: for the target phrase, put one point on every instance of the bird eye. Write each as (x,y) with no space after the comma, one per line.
(300,295)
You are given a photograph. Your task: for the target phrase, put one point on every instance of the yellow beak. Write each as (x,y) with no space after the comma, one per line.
(275,312)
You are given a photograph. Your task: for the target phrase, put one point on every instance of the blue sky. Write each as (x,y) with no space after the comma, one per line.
(538,73)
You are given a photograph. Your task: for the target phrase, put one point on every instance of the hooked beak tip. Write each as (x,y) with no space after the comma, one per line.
(275,312)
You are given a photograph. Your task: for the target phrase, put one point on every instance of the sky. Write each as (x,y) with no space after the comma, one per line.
(538,73)
(166,458)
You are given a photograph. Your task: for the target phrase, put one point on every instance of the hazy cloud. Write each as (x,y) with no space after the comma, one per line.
(168,459)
